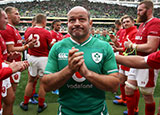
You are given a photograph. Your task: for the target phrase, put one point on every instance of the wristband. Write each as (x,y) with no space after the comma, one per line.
(26,46)
(134,46)
(130,45)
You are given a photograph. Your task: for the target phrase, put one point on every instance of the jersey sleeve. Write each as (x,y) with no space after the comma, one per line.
(8,36)
(110,65)
(52,64)
(153,60)
(154,30)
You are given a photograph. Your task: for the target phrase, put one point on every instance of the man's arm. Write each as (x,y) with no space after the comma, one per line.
(104,82)
(13,67)
(149,47)
(12,48)
(132,61)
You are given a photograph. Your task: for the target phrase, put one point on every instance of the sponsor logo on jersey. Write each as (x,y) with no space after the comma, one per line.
(78,86)
(77,77)
(138,38)
(97,57)
(63,56)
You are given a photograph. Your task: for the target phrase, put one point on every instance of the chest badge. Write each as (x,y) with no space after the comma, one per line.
(97,57)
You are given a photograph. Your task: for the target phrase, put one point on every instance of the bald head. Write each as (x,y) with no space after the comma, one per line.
(79,9)
(79,23)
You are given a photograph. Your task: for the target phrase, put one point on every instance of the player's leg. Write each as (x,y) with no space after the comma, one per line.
(8,97)
(147,81)
(41,98)
(131,86)
(31,78)
(121,101)
(15,78)
(32,100)
(149,104)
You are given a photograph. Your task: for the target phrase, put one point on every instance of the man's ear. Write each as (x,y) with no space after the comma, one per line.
(91,23)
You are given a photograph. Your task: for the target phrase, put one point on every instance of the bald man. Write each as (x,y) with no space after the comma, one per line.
(81,68)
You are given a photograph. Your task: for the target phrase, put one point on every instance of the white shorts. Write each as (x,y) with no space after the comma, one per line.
(15,78)
(1,111)
(144,77)
(5,83)
(124,72)
(37,65)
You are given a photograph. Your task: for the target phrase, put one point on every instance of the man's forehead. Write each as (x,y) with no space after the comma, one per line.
(73,15)
(79,10)
(141,6)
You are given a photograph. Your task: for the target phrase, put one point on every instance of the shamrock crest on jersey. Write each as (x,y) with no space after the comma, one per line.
(97,57)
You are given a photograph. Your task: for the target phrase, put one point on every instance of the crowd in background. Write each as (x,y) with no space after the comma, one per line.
(59,8)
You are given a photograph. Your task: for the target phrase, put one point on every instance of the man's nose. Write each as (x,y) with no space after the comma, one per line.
(77,22)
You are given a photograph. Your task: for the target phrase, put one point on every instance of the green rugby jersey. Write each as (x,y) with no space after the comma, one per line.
(78,96)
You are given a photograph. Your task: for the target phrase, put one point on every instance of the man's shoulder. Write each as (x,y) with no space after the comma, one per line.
(37,30)
(154,21)
(99,43)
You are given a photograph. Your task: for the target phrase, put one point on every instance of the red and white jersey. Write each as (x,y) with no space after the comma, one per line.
(149,28)
(119,35)
(44,39)
(28,29)
(153,60)
(4,72)
(56,35)
(12,36)
(129,33)
(3,48)
(67,35)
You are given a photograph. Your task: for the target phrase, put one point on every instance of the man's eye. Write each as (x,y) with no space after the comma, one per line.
(82,19)
(71,20)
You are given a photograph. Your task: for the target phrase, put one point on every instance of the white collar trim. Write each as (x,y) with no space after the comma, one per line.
(12,26)
(38,27)
(79,43)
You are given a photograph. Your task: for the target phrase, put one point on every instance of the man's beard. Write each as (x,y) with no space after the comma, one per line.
(142,18)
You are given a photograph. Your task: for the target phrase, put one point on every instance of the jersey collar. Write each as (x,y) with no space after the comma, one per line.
(12,26)
(38,27)
(82,44)
(147,21)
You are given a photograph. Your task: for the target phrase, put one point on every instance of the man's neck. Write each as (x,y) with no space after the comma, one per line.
(82,39)
(149,17)
(40,25)
(11,24)
(55,30)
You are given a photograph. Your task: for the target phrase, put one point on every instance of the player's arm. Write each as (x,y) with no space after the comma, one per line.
(12,48)
(13,67)
(132,61)
(104,82)
(56,80)
(149,47)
